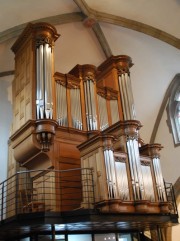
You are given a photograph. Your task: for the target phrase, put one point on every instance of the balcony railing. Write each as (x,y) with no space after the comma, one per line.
(46,190)
(56,191)
(171,197)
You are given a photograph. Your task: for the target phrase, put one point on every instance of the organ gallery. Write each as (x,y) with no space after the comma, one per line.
(76,145)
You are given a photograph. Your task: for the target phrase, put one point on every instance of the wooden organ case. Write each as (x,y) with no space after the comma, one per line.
(83,119)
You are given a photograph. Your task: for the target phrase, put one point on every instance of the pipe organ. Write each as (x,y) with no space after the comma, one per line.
(84,119)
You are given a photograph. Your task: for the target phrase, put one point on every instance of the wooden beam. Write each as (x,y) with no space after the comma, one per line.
(7,73)
(102,40)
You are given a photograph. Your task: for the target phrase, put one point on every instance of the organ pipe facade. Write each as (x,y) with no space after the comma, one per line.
(44,101)
(125,88)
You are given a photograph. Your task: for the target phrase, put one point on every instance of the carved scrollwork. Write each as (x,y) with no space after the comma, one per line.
(89,76)
(42,39)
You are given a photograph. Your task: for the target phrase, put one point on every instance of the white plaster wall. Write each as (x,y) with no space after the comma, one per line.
(6,56)
(5,123)
(76,45)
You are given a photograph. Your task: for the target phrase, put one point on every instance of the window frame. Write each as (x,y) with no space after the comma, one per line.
(173,108)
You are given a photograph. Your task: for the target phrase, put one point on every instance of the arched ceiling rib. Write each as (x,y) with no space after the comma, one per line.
(158,19)
(127,23)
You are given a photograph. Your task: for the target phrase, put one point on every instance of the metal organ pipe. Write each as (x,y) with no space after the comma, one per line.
(110,173)
(122,180)
(38,95)
(114,111)
(126,96)
(124,63)
(48,85)
(93,105)
(122,96)
(102,113)
(44,103)
(131,132)
(130,94)
(159,179)
(61,104)
(148,183)
(91,116)
(76,108)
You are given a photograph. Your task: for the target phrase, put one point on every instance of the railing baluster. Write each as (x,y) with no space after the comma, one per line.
(17,193)
(2,201)
(171,196)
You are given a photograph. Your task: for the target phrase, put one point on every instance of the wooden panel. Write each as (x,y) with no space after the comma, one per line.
(69,184)
(22,86)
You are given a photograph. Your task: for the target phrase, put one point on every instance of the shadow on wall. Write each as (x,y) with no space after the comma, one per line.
(6,117)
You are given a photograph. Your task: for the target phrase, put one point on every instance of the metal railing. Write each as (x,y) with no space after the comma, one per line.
(46,190)
(54,191)
(171,197)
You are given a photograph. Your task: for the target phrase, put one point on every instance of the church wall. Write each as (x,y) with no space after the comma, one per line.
(5,123)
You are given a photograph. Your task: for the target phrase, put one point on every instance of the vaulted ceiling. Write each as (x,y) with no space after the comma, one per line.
(159,19)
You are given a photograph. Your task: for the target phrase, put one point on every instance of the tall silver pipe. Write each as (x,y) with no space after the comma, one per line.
(130,96)
(122,180)
(113,172)
(110,173)
(148,183)
(61,105)
(79,111)
(102,113)
(47,82)
(40,101)
(107,173)
(37,83)
(126,101)
(135,167)
(133,171)
(76,108)
(159,179)
(126,96)
(93,105)
(139,169)
(44,102)
(122,97)
(90,105)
